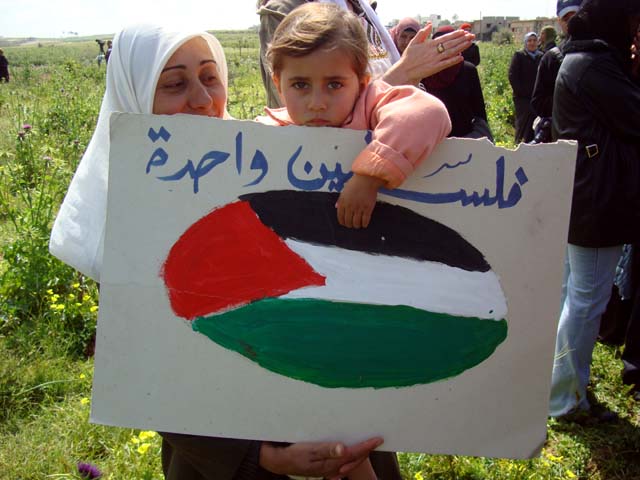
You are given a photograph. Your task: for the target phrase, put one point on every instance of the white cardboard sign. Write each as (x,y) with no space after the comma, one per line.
(233,305)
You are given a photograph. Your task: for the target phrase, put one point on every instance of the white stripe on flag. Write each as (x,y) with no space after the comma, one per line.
(359,277)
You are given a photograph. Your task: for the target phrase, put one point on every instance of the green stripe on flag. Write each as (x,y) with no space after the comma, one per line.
(354,345)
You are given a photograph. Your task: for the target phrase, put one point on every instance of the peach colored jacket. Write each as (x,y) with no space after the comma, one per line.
(407,124)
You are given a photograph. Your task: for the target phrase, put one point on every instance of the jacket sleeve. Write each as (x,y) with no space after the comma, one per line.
(407,125)
(515,76)
(542,96)
(478,106)
(613,98)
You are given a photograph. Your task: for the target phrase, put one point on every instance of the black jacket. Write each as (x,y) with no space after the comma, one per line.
(463,99)
(522,73)
(472,54)
(542,97)
(597,103)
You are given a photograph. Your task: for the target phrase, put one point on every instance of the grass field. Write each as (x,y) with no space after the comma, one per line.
(48,312)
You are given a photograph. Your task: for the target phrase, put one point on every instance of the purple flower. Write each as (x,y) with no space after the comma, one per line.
(26,127)
(88,471)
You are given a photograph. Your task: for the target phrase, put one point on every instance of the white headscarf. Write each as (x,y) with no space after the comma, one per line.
(139,54)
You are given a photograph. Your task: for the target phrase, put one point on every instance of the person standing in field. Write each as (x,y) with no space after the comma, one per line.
(522,77)
(4,67)
(542,97)
(597,103)
(403,32)
(459,89)
(166,72)
(547,38)
(472,53)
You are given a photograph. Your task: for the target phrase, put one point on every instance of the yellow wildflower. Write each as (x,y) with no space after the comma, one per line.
(84,401)
(93,309)
(570,474)
(553,458)
(50,292)
(418,476)
(146,435)
(76,285)
(142,449)
(135,440)
(71,296)
(82,376)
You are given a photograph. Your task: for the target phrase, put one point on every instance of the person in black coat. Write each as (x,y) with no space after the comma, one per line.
(472,53)
(542,98)
(4,67)
(459,89)
(597,103)
(522,77)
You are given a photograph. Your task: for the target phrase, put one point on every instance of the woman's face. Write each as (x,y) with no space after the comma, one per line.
(404,38)
(190,83)
(532,43)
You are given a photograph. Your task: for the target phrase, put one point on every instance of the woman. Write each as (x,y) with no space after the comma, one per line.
(522,77)
(403,32)
(597,103)
(422,57)
(459,89)
(155,70)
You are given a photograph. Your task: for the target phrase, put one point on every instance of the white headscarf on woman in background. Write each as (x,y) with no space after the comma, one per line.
(139,54)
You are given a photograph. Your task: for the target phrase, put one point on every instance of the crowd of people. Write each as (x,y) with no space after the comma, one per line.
(587,89)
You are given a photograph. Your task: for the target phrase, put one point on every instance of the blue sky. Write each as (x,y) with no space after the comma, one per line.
(55,18)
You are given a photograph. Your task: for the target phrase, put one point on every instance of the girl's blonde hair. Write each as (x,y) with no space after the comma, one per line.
(314,26)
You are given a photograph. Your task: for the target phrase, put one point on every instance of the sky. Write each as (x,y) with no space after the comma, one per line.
(57,18)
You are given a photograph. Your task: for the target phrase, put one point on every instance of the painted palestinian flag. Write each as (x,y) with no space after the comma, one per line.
(275,278)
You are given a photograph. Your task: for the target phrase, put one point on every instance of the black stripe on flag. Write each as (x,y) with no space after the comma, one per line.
(393,230)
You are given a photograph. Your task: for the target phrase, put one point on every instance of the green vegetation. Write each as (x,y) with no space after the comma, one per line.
(48,311)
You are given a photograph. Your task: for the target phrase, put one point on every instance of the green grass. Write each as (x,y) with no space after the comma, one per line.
(47,311)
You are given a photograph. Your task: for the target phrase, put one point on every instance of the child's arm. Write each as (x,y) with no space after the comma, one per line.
(357,200)
(407,125)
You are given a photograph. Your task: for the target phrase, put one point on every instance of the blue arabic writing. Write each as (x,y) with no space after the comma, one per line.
(333,179)
(474,198)
(208,162)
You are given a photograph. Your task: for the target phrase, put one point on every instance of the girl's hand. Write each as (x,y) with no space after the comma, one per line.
(357,200)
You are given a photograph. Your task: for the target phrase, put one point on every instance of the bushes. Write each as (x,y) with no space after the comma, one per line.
(47,132)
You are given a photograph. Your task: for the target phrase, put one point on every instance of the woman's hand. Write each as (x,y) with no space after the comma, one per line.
(422,57)
(357,200)
(328,459)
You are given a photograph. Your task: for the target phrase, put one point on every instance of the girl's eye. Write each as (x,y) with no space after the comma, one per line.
(335,85)
(299,85)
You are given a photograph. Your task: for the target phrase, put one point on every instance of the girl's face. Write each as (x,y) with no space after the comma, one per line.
(319,89)
(189,83)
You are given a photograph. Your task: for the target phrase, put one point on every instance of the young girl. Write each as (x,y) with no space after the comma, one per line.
(318,60)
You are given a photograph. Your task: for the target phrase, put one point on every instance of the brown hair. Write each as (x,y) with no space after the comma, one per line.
(315,26)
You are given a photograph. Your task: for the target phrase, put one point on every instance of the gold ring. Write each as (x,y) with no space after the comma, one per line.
(440,48)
